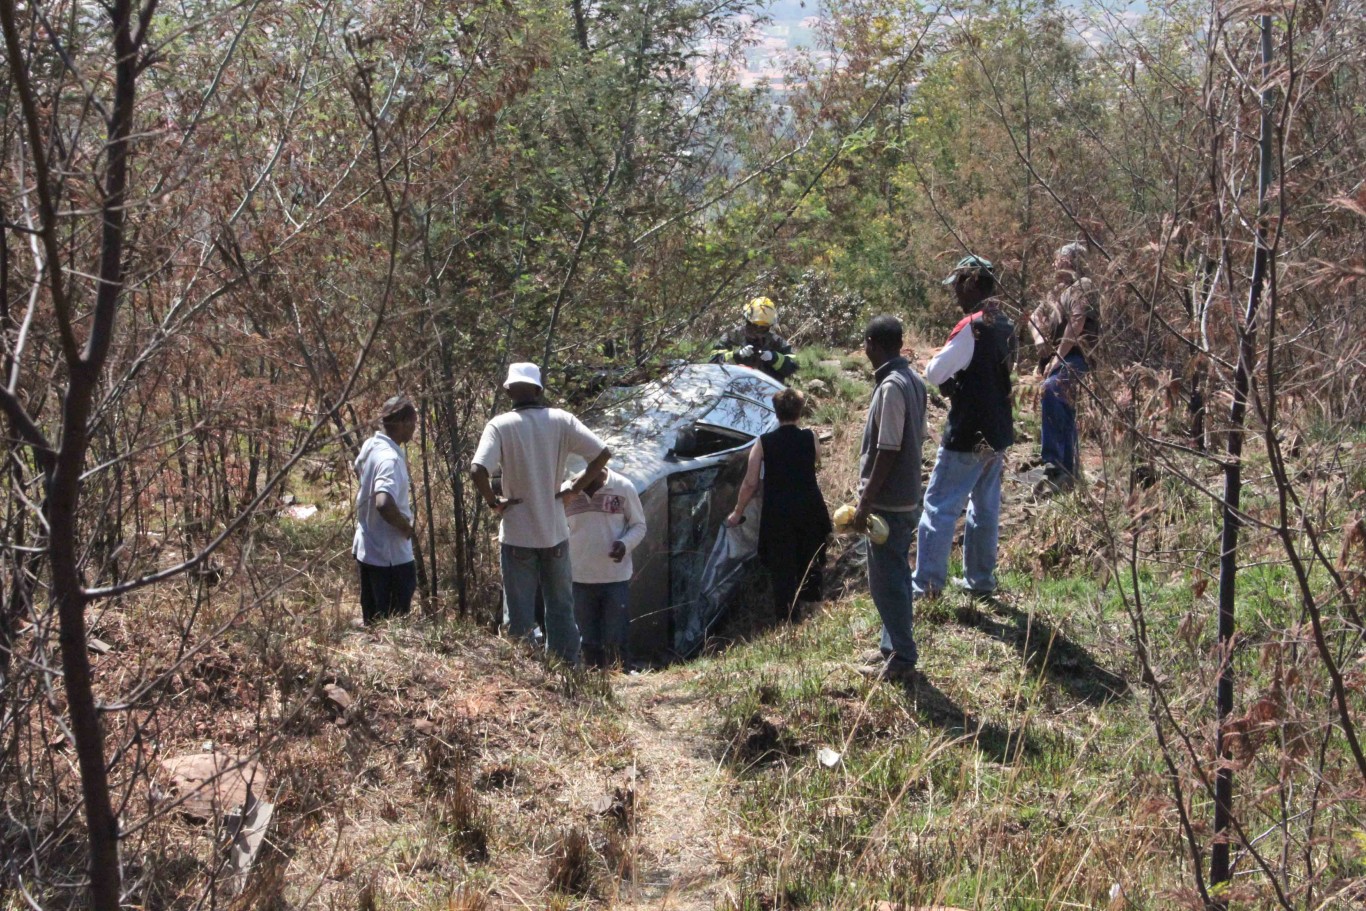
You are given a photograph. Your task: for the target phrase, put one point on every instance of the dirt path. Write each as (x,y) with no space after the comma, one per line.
(681,833)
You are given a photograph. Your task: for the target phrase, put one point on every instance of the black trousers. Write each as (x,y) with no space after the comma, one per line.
(796,577)
(386,591)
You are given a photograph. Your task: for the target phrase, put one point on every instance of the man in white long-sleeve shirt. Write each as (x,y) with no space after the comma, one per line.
(973,371)
(383,542)
(606,522)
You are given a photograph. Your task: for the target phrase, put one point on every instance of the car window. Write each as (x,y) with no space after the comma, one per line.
(742,415)
(704,439)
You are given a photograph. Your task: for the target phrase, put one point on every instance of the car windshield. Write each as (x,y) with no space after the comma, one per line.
(667,402)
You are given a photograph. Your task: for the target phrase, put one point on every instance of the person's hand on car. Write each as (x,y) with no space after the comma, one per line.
(734,519)
(745,353)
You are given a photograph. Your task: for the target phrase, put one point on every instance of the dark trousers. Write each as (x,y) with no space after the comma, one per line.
(604,615)
(795,577)
(386,591)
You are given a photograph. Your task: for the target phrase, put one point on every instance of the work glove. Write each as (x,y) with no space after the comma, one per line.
(745,353)
(766,357)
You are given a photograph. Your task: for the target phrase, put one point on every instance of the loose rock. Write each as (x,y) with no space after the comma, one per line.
(337,698)
(209,785)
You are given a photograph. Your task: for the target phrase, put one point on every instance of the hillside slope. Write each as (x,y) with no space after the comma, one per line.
(456,770)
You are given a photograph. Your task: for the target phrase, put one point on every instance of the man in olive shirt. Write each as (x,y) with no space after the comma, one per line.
(1066,330)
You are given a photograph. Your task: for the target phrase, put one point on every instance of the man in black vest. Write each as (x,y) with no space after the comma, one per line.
(889,486)
(973,370)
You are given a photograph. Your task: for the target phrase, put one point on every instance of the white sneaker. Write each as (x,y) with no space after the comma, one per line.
(872,657)
(891,673)
(961,584)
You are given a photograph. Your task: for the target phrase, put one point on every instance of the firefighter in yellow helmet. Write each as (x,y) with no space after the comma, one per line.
(755,344)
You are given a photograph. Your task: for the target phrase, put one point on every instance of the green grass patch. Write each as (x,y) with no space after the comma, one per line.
(1002,768)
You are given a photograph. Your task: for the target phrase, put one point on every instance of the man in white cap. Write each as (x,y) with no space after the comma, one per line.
(530,444)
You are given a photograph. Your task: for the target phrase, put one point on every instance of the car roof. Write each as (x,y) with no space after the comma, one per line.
(639,423)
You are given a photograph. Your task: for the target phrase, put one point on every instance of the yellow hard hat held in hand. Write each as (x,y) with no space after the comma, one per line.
(877,526)
(761,312)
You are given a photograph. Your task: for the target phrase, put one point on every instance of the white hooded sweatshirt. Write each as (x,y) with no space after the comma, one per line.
(612,514)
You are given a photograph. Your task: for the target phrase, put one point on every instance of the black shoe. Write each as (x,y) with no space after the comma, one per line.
(1055,481)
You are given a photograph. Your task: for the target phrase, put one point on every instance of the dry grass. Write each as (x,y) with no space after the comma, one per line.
(458,754)
(571,863)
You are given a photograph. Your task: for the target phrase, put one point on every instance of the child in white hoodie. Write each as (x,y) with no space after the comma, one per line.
(606,522)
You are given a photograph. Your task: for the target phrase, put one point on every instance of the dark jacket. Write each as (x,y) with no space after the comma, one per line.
(782,365)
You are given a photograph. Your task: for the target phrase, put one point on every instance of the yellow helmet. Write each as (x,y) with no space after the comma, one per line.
(761,312)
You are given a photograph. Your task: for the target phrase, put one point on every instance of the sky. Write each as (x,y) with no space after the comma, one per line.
(790,26)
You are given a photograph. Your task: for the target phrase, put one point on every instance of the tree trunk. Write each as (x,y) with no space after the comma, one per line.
(580,23)
(1220,871)
(69,600)
(423,404)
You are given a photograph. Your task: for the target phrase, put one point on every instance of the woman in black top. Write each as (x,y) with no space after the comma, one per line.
(794,523)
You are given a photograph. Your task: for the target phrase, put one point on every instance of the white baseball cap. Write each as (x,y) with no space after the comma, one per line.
(523,372)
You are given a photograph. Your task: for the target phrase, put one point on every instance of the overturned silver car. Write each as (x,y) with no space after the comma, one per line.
(683,441)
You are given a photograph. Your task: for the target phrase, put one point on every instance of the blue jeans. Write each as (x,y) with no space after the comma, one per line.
(889,582)
(1058,408)
(527,569)
(604,615)
(960,478)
